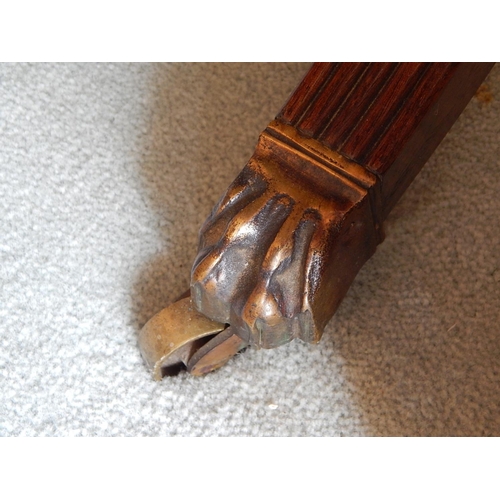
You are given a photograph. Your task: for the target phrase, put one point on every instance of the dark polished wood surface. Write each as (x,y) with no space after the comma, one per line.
(388,117)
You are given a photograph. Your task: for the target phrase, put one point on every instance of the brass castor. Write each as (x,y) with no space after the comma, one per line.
(179,337)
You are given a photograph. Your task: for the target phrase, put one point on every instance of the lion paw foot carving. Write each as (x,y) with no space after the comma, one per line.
(280,249)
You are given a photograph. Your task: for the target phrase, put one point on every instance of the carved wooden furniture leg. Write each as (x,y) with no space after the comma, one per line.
(281,248)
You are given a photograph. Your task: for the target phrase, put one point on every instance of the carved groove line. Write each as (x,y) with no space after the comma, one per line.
(331,97)
(332,138)
(351,92)
(416,106)
(383,129)
(356,108)
(379,132)
(326,123)
(334,67)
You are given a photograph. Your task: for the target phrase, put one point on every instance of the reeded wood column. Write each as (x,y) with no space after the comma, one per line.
(388,117)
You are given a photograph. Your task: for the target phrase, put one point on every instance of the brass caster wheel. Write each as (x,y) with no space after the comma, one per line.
(179,337)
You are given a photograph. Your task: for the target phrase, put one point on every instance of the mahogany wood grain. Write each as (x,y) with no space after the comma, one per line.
(388,117)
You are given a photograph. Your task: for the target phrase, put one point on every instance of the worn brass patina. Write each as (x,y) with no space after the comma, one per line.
(169,339)
(281,248)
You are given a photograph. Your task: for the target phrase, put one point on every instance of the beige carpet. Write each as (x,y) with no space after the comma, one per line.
(106,173)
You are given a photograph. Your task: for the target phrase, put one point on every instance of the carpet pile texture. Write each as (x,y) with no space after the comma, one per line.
(107,171)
